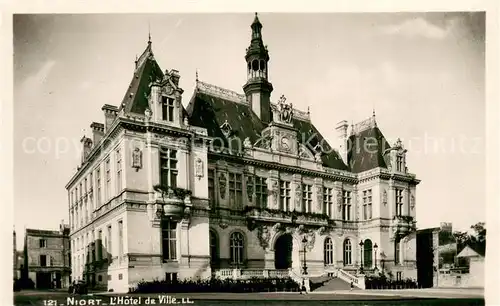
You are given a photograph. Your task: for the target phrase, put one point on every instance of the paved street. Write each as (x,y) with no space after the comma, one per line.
(382,297)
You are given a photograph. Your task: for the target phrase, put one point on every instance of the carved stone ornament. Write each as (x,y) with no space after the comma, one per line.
(247,144)
(274,191)
(264,235)
(285,110)
(186,121)
(311,238)
(298,196)
(384,197)
(412,202)
(339,200)
(250,188)
(319,198)
(223,225)
(137,159)
(222,185)
(301,229)
(198,168)
(322,230)
(317,157)
(148,114)
(278,227)
(226,129)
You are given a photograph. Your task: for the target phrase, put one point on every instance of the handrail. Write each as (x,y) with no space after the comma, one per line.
(347,277)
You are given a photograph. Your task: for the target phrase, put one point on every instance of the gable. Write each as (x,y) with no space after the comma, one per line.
(468,252)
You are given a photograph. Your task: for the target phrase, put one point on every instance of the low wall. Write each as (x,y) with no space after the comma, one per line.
(460,281)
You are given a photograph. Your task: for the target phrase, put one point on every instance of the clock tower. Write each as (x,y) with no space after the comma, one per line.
(257,88)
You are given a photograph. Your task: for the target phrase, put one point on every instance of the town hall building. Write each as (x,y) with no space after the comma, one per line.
(234,185)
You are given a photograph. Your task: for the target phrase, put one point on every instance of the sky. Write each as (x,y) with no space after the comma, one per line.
(423,74)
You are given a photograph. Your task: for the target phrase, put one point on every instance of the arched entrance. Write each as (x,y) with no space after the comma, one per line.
(283,252)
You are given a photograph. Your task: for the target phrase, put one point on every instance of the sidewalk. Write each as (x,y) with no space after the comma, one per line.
(419,293)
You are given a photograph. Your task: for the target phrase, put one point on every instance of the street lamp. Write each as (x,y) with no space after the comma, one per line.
(361,256)
(375,247)
(304,268)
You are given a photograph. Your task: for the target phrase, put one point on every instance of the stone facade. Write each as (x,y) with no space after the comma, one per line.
(47,258)
(163,194)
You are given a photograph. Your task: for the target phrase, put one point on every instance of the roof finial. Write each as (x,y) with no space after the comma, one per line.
(149,32)
(196,75)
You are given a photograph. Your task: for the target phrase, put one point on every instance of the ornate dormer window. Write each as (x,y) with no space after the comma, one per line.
(226,129)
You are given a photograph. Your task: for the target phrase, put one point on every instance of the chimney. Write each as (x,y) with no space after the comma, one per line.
(87,146)
(110,113)
(342,138)
(97,132)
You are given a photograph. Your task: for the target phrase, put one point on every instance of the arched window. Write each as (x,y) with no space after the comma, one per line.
(262,65)
(328,251)
(367,256)
(236,244)
(255,65)
(214,248)
(347,252)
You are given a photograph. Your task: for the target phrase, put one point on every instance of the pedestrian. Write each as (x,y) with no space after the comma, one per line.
(352,285)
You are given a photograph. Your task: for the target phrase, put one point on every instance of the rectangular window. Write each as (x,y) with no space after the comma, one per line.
(120,276)
(346,207)
(211,187)
(399,163)
(168,109)
(307,198)
(118,171)
(171,277)
(235,190)
(98,187)
(43,243)
(261,191)
(109,247)
(120,238)
(367,204)
(328,201)
(399,202)
(107,169)
(43,260)
(168,167)
(397,251)
(169,240)
(99,245)
(285,197)
(399,275)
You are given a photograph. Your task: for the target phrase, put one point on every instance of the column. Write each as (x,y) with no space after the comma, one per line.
(184,242)
(391,195)
(338,201)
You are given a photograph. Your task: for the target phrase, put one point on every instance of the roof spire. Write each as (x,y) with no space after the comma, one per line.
(196,75)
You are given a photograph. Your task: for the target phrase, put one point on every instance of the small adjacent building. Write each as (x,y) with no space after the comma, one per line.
(474,258)
(47,257)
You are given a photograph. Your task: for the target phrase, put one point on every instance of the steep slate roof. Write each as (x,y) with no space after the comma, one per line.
(209,111)
(366,153)
(147,70)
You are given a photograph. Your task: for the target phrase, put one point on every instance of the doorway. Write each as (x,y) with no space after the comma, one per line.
(283,252)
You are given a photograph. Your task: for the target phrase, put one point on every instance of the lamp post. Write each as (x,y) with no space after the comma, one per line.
(304,267)
(375,247)
(361,256)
